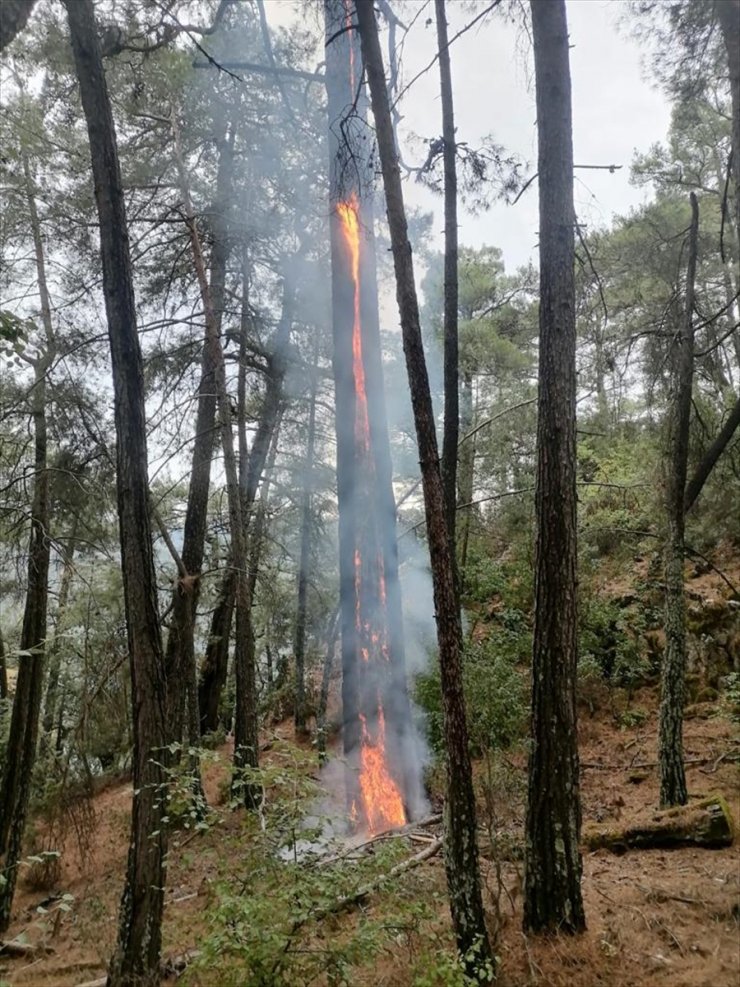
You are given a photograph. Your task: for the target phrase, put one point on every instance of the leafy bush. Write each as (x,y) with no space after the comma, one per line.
(609,639)
(495,694)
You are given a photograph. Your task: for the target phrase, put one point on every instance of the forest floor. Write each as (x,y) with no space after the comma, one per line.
(655,917)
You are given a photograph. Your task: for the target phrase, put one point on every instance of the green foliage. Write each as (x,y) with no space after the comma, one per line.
(731,696)
(261,927)
(609,642)
(495,694)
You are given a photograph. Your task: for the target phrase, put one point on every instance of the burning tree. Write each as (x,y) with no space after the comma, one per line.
(382,778)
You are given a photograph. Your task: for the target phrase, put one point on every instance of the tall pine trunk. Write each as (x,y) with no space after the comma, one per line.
(461,849)
(136,958)
(673,671)
(304,560)
(20,755)
(552,880)
(246,746)
(451,429)
(180,653)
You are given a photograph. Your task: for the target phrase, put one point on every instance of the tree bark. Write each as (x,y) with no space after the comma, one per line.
(216,662)
(451,428)
(673,671)
(55,650)
(23,737)
(304,561)
(3,672)
(728,14)
(331,641)
(20,753)
(552,880)
(701,474)
(14,16)
(180,653)
(246,746)
(461,850)
(136,958)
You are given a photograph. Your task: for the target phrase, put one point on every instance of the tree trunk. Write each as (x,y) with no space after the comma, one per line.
(451,430)
(728,14)
(136,958)
(304,561)
(24,724)
(709,460)
(461,850)
(552,894)
(466,473)
(331,642)
(246,746)
(180,654)
(55,650)
(3,672)
(216,662)
(673,671)
(20,753)
(14,15)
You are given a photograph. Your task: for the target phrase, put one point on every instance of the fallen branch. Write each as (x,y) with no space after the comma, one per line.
(363,892)
(706,824)
(12,947)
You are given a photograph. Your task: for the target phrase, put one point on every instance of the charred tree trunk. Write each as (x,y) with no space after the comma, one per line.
(673,671)
(180,654)
(374,690)
(461,850)
(136,959)
(451,431)
(304,561)
(552,896)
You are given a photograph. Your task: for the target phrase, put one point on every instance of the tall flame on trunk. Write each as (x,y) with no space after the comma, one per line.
(381,801)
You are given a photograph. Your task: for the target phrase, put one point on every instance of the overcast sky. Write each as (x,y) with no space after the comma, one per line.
(616,111)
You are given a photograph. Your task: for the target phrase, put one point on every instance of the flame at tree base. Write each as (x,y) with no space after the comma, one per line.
(382,803)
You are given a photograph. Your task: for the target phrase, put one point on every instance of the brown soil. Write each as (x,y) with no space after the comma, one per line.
(657,918)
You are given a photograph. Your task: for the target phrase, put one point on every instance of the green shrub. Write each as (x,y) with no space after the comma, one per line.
(495,694)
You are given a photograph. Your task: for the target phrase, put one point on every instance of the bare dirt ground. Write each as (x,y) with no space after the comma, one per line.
(655,918)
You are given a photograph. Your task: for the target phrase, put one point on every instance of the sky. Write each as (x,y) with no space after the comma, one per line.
(616,110)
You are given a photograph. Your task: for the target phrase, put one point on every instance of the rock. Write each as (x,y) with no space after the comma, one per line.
(707,823)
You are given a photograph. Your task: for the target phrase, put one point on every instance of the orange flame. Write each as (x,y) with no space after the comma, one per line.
(382,805)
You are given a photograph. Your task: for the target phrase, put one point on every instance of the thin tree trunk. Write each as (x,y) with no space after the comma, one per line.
(216,662)
(246,746)
(22,740)
(709,460)
(180,653)
(461,849)
(55,650)
(20,752)
(466,474)
(326,671)
(3,672)
(304,561)
(552,881)
(728,14)
(451,430)
(14,15)
(673,671)
(136,958)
